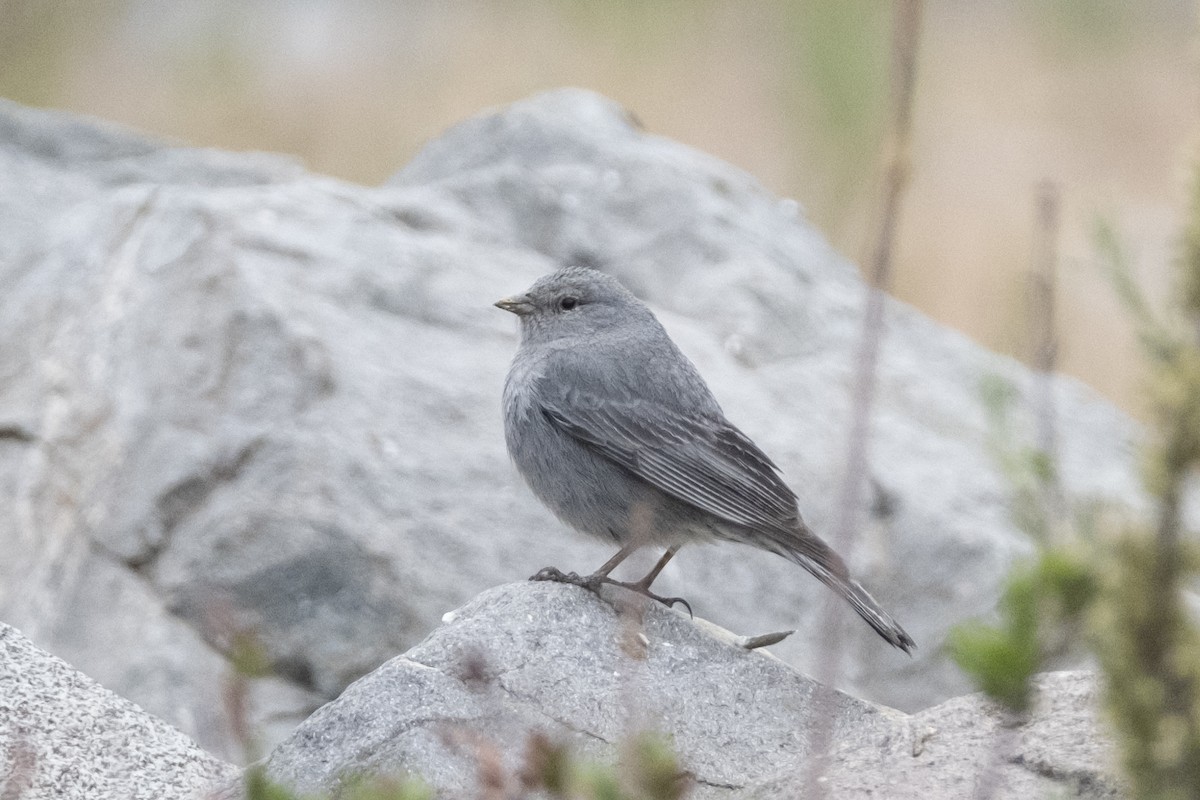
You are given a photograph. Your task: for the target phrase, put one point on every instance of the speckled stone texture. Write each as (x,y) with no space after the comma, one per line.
(558,661)
(62,736)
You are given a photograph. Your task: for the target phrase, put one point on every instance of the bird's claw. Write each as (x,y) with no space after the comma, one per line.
(594,582)
(558,576)
(669,602)
(550,574)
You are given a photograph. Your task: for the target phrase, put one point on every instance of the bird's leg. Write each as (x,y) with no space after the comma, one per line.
(645,582)
(611,564)
(643,586)
(600,577)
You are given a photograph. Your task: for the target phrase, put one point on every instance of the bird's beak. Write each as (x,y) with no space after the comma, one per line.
(519,304)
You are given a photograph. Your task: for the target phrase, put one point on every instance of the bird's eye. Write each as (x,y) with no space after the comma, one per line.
(569,302)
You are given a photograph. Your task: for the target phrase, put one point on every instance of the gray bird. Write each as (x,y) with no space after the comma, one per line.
(615,431)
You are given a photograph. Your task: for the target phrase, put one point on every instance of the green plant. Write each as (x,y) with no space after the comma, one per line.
(646,769)
(1114,583)
(259,787)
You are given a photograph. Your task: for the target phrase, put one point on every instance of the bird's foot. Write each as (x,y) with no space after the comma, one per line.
(590,582)
(593,583)
(669,602)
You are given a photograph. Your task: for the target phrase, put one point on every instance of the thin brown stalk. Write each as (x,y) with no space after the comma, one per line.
(21,769)
(906,26)
(1045,337)
(1042,279)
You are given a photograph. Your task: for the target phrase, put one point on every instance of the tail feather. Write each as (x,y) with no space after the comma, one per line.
(874,615)
(818,558)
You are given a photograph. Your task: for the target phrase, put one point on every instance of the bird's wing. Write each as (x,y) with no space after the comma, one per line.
(706,462)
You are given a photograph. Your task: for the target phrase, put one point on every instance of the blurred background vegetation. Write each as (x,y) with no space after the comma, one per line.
(1097,96)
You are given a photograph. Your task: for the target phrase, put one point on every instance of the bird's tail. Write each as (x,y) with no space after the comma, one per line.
(875,616)
(814,555)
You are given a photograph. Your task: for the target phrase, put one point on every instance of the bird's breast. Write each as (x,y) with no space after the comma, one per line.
(520,388)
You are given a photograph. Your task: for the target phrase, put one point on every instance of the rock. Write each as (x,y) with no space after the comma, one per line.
(62,736)
(554,660)
(59,580)
(51,161)
(240,400)
(1063,750)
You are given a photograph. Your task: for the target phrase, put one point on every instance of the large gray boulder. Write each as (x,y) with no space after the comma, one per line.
(241,400)
(64,737)
(526,660)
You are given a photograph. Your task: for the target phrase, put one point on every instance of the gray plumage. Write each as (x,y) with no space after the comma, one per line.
(615,431)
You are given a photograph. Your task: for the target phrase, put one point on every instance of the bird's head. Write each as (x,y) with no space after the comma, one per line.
(573,302)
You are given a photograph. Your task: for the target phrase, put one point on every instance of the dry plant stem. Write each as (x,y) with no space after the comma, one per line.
(1045,350)
(1045,354)
(1044,277)
(21,769)
(1005,740)
(632,638)
(906,26)
(235,696)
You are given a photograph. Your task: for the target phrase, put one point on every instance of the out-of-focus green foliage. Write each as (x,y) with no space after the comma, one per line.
(248,656)
(259,787)
(1031,473)
(1189,256)
(1114,264)
(1039,614)
(1149,651)
(646,769)
(1147,643)
(1120,587)
(1078,27)
(639,30)
(841,55)
(836,95)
